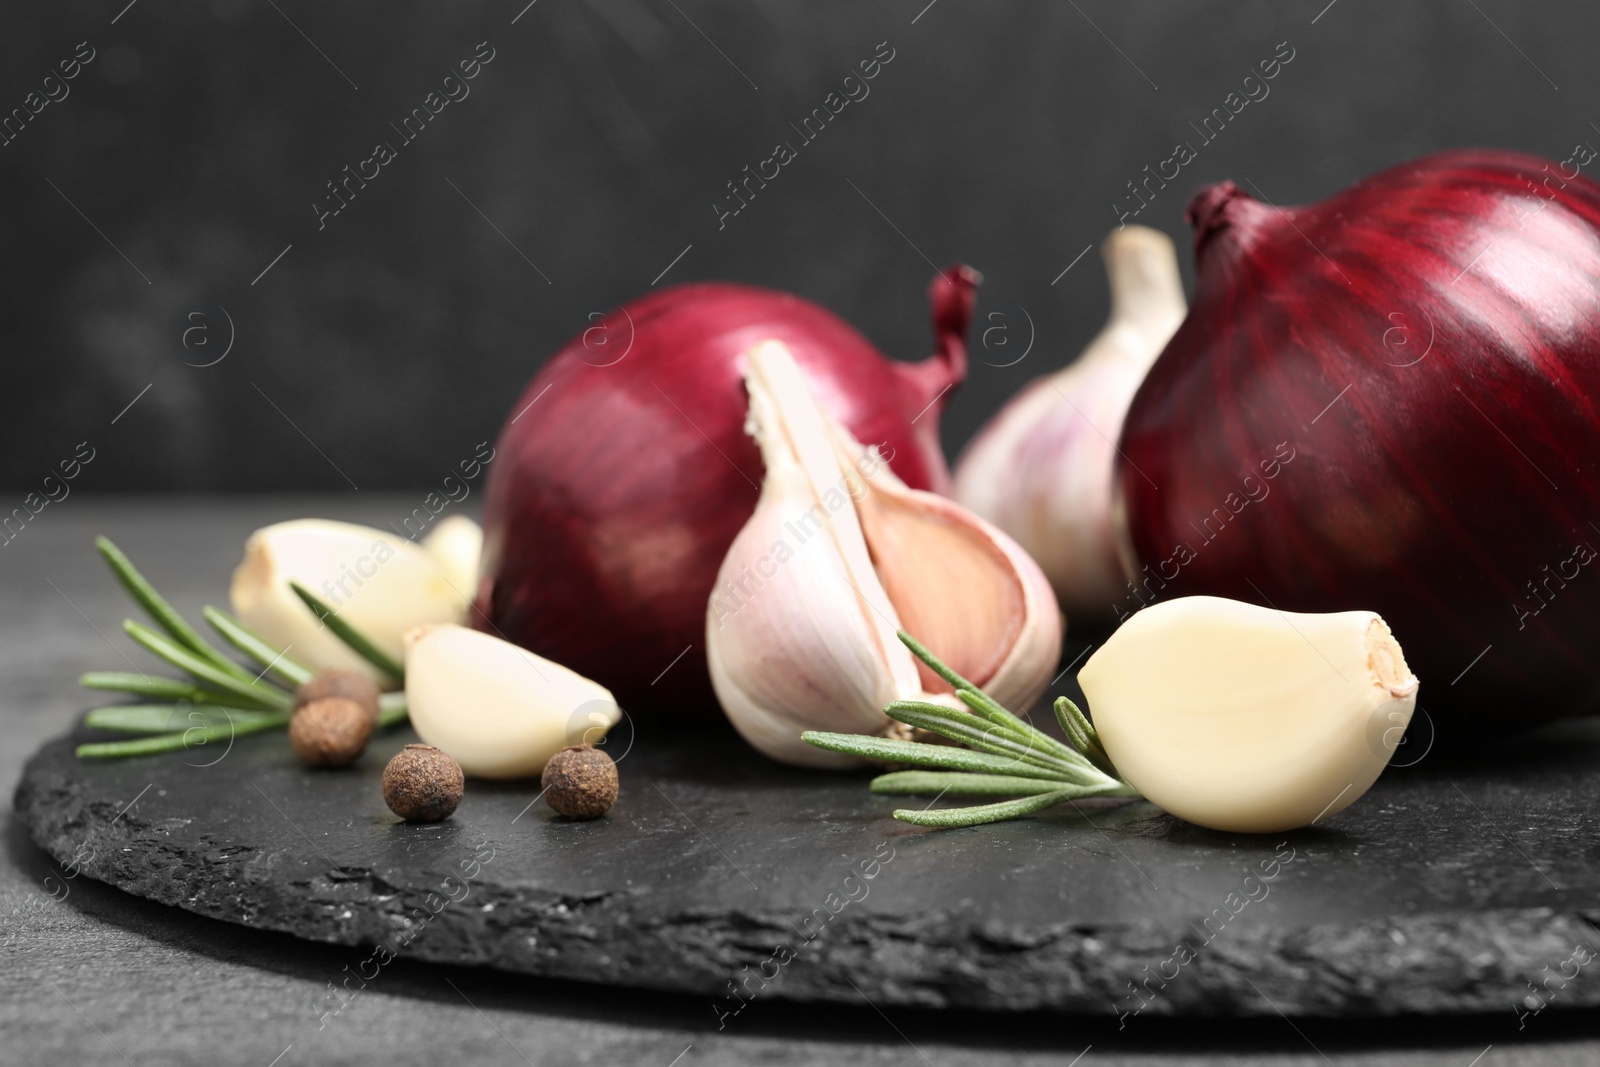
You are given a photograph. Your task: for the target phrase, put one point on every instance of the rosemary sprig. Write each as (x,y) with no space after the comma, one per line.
(349,634)
(162,612)
(158,688)
(190,738)
(1006,756)
(931,783)
(271,660)
(169,718)
(251,690)
(944,757)
(958,726)
(224,699)
(946,818)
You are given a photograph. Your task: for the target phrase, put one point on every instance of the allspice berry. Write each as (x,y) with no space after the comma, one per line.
(580,782)
(330,732)
(422,784)
(340,682)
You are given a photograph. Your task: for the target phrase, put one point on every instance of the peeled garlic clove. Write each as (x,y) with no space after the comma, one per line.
(1249,719)
(838,556)
(1041,469)
(381,584)
(498,710)
(456,543)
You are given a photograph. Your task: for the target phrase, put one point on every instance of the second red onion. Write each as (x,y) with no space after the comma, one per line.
(1391,401)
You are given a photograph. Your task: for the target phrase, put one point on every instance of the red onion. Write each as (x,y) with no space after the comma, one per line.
(613,499)
(1390,401)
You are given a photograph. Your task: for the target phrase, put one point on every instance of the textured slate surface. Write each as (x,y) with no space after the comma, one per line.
(1445,890)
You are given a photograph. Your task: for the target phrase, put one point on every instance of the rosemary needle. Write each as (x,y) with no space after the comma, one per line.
(224,699)
(1005,756)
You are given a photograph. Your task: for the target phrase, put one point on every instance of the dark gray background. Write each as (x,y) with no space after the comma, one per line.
(596,142)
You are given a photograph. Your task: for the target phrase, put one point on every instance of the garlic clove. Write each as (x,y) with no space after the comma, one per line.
(381,584)
(976,640)
(1041,470)
(840,555)
(498,710)
(1248,719)
(813,664)
(958,584)
(799,630)
(456,545)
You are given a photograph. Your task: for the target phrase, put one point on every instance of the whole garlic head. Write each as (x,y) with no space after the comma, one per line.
(840,555)
(379,583)
(1041,469)
(498,710)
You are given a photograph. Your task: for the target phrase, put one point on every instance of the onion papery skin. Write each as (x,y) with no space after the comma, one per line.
(612,500)
(1426,344)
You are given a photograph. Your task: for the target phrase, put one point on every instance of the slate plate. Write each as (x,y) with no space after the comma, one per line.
(1450,888)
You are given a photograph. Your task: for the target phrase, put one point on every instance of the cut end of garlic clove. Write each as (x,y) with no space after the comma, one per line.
(1387,662)
(1243,718)
(499,710)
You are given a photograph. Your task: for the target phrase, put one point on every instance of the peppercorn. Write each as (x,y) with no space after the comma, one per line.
(340,682)
(330,731)
(580,782)
(422,784)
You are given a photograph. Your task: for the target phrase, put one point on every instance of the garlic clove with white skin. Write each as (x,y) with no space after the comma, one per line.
(457,544)
(840,555)
(1249,719)
(1041,470)
(957,584)
(379,583)
(498,710)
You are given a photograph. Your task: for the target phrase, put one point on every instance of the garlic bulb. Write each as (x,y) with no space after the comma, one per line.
(1041,469)
(1249,719)
(381,584)
(839,555)
(498,710)
(456,544)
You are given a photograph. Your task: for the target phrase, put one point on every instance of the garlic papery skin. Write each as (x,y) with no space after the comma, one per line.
(456,544)
(1249,719)
(379,583)
(1041,470)
(839,556)
(498,710)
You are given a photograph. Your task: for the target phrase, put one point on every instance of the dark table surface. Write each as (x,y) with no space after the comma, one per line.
(93,975)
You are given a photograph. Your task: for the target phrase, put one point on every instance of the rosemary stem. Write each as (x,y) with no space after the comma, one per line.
(986,813)
(161,689)
(938,784)
(166,718)
(183,659)
(946,757)
(189,738)
(980,734)
(358,642)
(164,613)
(247,641)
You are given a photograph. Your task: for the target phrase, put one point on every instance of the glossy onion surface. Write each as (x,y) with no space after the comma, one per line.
(624,472)
(1390,401)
